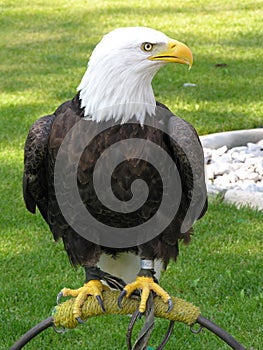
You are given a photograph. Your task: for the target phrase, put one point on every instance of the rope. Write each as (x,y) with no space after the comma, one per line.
(182,311)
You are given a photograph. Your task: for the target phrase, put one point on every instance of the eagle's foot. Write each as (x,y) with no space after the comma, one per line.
(91,288)
(145,284)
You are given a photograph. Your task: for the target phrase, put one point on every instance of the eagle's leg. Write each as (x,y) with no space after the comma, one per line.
(92,287)
(145,282)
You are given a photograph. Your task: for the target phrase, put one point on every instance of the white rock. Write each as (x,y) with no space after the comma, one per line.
(259,166)
(252,147)
(220,150)
(213,189)
(207,155)
(232,178)
(254,176)
(258,153)
(238,149)
(244,172)
(220,168)
(226,157)
(210,174)
(207,151)
(237,156)
(248,185)
(259,185)
(240,157)
(250,155)
(235,166)
(223,181)
(250,161)
(239,168)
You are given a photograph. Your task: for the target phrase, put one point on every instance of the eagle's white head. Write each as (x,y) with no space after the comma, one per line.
(117,83)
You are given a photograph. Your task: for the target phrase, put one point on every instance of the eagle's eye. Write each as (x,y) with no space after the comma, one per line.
(147,47)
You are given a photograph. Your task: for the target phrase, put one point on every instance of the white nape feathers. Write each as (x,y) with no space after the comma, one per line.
(117,83)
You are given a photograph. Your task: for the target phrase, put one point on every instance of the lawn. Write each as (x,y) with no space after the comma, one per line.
(45,46)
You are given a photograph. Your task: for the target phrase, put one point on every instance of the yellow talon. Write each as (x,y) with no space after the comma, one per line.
(93,288)
(146,284)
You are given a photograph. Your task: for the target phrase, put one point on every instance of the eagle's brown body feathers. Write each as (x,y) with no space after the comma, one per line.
(42,145)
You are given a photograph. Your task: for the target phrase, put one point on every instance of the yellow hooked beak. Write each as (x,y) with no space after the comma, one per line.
(176,52)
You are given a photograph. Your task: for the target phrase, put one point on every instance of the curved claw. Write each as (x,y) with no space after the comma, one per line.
(170,305)
(121,296)
(59,296)
(98,297)
(80,320)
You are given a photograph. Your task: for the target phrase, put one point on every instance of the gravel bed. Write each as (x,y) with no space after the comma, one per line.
(238,168)
(236,172)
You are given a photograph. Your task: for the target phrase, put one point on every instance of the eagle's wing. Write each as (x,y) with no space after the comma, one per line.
(187,148)
(34,179)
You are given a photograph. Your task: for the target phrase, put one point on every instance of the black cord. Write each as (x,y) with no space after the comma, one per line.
(204,322)
(33,332)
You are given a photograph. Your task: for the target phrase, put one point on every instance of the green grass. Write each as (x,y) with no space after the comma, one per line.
(45,46)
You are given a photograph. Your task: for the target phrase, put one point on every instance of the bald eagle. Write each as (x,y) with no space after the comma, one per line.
(115,98)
